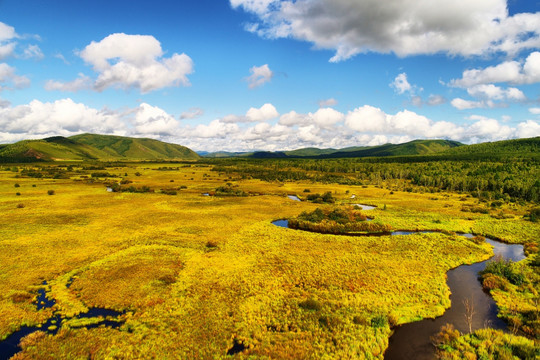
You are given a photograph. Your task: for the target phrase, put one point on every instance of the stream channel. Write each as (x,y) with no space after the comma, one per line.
(413,340)
(10,346)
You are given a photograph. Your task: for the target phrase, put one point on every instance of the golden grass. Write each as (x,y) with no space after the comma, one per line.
(195,272)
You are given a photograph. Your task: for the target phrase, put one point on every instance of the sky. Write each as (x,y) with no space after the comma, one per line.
(244,75)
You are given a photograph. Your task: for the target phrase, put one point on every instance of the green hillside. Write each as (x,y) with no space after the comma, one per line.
(135,148)
(415,147)
(528,146)
(93,147)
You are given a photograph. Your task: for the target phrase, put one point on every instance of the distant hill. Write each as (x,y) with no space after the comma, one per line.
(416,147)
(94,147)
(514,147)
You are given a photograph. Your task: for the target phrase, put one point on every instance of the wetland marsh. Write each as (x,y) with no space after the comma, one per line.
(214,274)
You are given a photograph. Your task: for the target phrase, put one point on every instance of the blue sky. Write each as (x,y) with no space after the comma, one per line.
(270,75)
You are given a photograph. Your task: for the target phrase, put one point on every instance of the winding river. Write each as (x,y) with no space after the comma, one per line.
(10,346)
(412,340)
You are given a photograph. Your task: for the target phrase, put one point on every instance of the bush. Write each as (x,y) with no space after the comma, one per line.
(20,206)
(492,282)
(18,194)
(310,304)
(324,198)
(446,336)
(534,215)
(379,321)
(51,192)
(503,268)
(17,185)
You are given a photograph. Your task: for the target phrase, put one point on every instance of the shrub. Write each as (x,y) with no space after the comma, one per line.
(212,244)
(18,194)
(307,190)
(51,192)
(534,215)
(446,336)
(379,321)
(310,304)
(17,185)
(503,268)
(492,282)
(20,206)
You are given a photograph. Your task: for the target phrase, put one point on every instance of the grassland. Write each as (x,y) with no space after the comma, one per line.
(196,274)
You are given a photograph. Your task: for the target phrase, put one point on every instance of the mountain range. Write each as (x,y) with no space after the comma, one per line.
(119,148)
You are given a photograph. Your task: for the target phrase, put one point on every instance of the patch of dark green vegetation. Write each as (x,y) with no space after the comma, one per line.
(336,221)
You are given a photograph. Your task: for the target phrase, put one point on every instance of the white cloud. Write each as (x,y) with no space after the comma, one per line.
(192,113)
(327,103)
(401,84)
(216,129)
(151,120)
(7,34)
(293,118)
(535,111)
(9,79)
(462,104)
(528,129)
(264,113)
(260,75)
(369,119)
(62,117)
(32,52)
(135,61)
(327,117)
(490,91)
(512,72)
(407,27)
(83,82)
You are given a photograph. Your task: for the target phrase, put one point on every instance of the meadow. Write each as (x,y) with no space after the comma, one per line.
(210,277)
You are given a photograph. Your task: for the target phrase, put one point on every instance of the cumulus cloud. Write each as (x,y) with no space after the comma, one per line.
(324,118)
(365,125)
(462,104)
(134,61)
(493,92)
(401,84)
(153,121)
(62,117)
(81,83)
(260,75)
(192,113)
(264,113)
(327,103)
(216,129)
(514,72)
(293,118)
(406,27)
(9,79)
